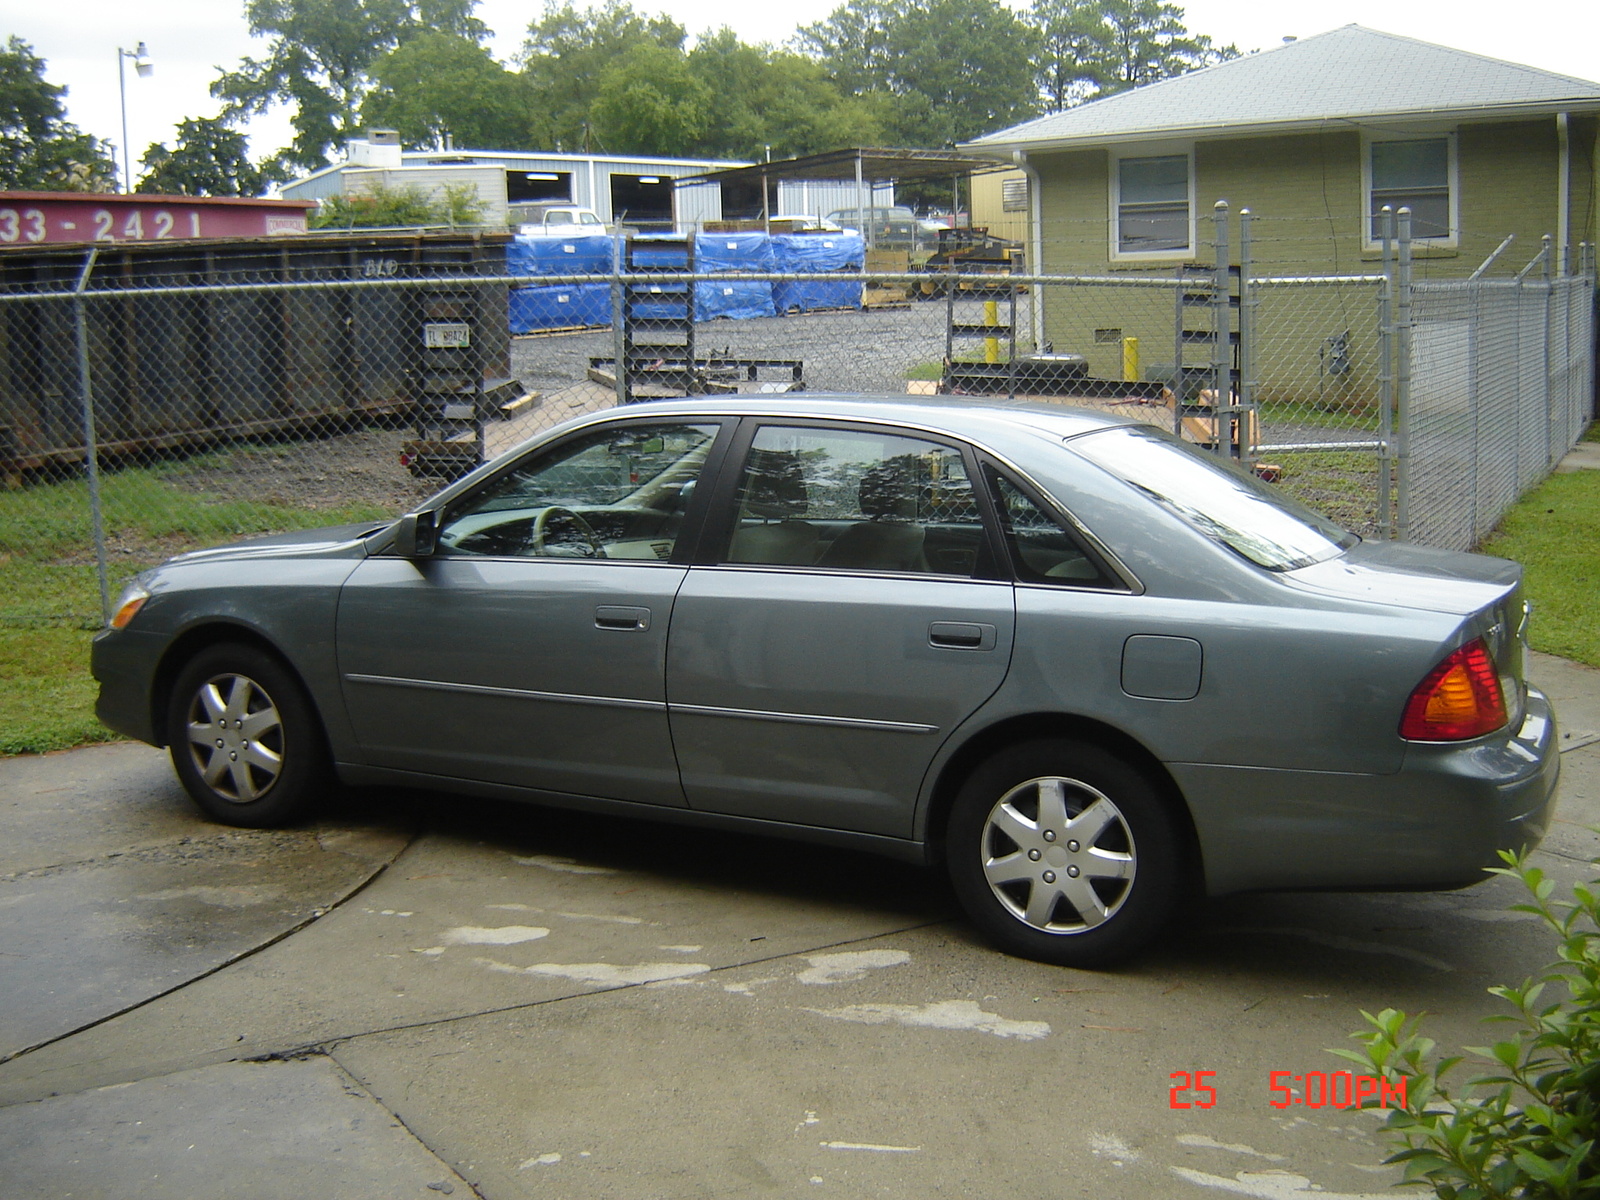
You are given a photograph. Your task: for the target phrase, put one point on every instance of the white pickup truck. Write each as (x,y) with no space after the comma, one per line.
(556,219)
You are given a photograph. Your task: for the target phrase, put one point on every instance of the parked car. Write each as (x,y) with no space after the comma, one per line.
(1092,669)
(888,227)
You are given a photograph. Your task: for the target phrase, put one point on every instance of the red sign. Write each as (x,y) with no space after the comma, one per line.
(33,218)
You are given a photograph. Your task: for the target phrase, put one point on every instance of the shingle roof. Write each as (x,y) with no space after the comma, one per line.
(1351,74)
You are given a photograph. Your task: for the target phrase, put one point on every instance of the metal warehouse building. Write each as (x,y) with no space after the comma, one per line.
(638,191)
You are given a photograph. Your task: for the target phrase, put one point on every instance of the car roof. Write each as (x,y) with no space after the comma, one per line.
(973,417)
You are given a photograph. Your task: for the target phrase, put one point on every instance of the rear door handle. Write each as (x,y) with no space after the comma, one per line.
(618,616)
(961,635)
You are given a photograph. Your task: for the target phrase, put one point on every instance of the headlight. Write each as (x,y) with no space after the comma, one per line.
(128,604)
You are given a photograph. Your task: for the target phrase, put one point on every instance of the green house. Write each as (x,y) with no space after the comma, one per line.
(1314,137)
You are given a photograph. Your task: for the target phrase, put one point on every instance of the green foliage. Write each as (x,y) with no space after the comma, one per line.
(1093,48)
(566,56)
(208,159)
(954,68)
(649,102)
(1551,532)
(436,84)
(50,607)
(1528,1128)
(384,207)
(40,150)
(778,99)
(319,58)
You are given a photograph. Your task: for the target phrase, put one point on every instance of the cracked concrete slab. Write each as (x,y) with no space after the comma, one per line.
(242,1131)
(461,925)
(114,895)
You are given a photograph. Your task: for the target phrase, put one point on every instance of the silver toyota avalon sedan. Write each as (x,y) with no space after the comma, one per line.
(1089,668)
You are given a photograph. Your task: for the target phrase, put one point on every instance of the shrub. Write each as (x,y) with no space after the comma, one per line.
(1529,1129)
(384,207)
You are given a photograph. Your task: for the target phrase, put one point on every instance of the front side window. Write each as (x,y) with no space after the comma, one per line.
(853,500)
(1153,204)
(613,493)
(1228,505)
(1413,174)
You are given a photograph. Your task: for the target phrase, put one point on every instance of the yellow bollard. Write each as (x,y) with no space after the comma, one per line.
(1130,360)
(991,316)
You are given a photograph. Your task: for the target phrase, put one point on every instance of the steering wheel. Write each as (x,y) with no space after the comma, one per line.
(538,537)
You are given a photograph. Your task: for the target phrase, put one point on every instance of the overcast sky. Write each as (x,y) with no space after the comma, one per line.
(190,39)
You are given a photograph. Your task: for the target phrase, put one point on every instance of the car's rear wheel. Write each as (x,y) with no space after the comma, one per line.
(1065,853)
(245,739)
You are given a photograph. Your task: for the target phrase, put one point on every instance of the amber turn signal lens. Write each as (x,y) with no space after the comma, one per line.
(1460,699)
(131,602)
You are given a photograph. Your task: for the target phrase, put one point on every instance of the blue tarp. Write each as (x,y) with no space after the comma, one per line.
(845,251)
(732,252)
(553,307)
(588,254)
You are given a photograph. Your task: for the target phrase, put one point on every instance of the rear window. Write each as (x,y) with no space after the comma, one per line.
(1225,503)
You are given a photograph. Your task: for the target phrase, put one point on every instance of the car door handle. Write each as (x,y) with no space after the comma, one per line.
(618,616)
(961,635)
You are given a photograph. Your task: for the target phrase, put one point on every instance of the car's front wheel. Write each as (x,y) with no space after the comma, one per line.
(1065,853)
(245,739)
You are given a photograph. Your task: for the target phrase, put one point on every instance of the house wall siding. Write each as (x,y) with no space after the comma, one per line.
(1508,185)
(1304,188)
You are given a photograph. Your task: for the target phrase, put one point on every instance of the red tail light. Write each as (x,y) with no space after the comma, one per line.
(1460,699)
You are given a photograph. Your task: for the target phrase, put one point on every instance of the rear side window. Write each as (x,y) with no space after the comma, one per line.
(1042,549)
(1224,503)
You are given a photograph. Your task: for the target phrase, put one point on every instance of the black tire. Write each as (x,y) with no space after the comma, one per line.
(244,738)
(1036,891)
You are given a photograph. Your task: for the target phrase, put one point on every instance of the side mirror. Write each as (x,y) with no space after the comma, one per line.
(417,535)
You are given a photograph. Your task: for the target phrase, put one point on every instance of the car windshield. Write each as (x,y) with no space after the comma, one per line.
(1223,502)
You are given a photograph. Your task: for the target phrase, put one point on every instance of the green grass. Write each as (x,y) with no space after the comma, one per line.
(1554,532)
(50,604)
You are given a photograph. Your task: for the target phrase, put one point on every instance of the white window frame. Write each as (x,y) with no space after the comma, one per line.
(1452,180)
(1114,220)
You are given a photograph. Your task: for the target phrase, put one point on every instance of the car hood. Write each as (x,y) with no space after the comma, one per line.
(333,539)
(1442,581)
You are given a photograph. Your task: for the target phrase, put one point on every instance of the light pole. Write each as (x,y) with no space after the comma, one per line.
(143,65)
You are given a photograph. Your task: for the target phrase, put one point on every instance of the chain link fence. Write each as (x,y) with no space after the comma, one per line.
(154,404)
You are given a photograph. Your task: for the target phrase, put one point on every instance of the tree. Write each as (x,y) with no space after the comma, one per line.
(40,150)
(208,159)
(436,84)
(319,60)
(567,53)
(1093,48)
(956,68)
(775,99)
(649,102)
(1073,46)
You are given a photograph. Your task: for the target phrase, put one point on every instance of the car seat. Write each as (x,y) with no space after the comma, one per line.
(774,494)
(891,539)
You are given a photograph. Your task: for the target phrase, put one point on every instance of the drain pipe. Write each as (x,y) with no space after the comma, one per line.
(1564,192)
(1035,263)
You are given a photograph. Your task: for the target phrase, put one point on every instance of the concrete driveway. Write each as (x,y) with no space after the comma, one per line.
(424,995)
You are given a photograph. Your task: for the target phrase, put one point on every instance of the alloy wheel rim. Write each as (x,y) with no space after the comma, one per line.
(1058,855)
(235,738)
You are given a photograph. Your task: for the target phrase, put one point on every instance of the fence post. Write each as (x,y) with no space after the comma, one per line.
(1386,380)
(1550,454)
(1222,346)
(1402,377)
(91,446)
(1249,425)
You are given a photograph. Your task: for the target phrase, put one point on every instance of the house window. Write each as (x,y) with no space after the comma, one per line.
(1153,205)
(1415,173)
